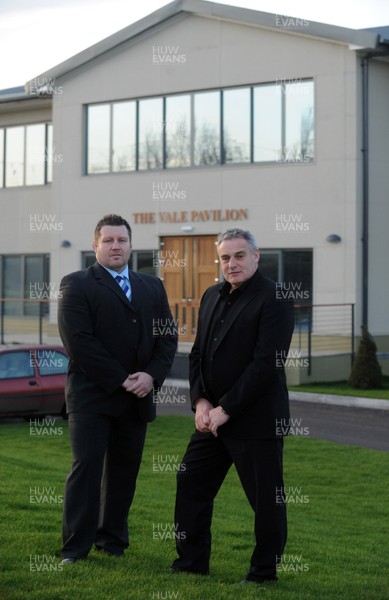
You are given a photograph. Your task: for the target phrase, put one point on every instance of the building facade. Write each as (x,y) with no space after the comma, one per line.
(199,118)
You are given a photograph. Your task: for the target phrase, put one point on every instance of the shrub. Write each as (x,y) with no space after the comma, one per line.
(366,372)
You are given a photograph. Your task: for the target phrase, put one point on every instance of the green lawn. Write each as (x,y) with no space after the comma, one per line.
(338,525)
(341,388)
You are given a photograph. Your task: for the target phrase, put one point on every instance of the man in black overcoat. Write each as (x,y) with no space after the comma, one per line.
(239,395)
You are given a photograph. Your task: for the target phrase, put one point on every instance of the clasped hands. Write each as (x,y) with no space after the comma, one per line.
(208,418)
(139,383)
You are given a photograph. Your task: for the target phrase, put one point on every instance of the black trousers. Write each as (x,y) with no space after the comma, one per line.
(107,453)
(204,467)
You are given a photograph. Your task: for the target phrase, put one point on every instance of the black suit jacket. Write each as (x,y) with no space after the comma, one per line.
(248,360)
(107,337)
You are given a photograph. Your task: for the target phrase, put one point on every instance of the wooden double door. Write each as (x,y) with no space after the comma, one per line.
(188,266)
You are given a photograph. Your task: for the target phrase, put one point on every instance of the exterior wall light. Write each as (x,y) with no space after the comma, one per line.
(333,238)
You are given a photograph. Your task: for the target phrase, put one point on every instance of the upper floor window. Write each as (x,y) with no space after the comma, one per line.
(26,154)
(271,122)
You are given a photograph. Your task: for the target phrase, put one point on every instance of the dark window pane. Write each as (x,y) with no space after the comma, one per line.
(12,284)
(269,265)
(298,275)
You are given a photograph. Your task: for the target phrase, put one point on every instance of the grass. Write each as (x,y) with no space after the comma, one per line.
(341,388)
(338,532)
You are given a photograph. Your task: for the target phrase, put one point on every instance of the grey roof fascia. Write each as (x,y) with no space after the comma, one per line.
(354,37)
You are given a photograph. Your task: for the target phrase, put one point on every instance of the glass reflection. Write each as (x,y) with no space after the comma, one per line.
(123,136)
(98,138)
(35,154)
(178,151)
(150,133)
(207,128)
(267,123)
(14,171)
(236,125)
(299,134)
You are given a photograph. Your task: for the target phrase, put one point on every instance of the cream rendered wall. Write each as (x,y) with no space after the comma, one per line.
(218,54)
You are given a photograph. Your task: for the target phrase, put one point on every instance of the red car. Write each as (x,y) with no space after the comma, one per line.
(32,381)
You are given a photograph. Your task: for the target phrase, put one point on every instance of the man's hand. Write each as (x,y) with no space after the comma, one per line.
(217,418)
(202,414)
(139,383)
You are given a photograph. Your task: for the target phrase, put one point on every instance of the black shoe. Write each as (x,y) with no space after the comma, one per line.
(69,560)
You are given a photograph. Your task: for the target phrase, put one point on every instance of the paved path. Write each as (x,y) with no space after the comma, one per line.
(360,426)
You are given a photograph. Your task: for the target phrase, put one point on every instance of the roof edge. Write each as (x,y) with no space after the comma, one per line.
(352,37)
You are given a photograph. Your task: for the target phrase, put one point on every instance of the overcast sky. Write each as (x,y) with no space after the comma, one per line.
(36,35)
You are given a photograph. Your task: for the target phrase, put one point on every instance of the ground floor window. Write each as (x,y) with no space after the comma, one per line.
(25,278)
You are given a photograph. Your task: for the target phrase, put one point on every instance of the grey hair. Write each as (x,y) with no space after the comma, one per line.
(236,233)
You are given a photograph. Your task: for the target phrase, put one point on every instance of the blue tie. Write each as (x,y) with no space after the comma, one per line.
(123,284)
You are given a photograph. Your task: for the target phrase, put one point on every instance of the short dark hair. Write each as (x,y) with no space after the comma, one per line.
(236,233)
(115,221)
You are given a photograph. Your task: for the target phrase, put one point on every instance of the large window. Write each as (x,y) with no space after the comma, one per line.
(26,155)
(25,277)
(270,122)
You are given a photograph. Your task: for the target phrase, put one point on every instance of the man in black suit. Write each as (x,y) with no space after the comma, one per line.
(239,395)
(121,340)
